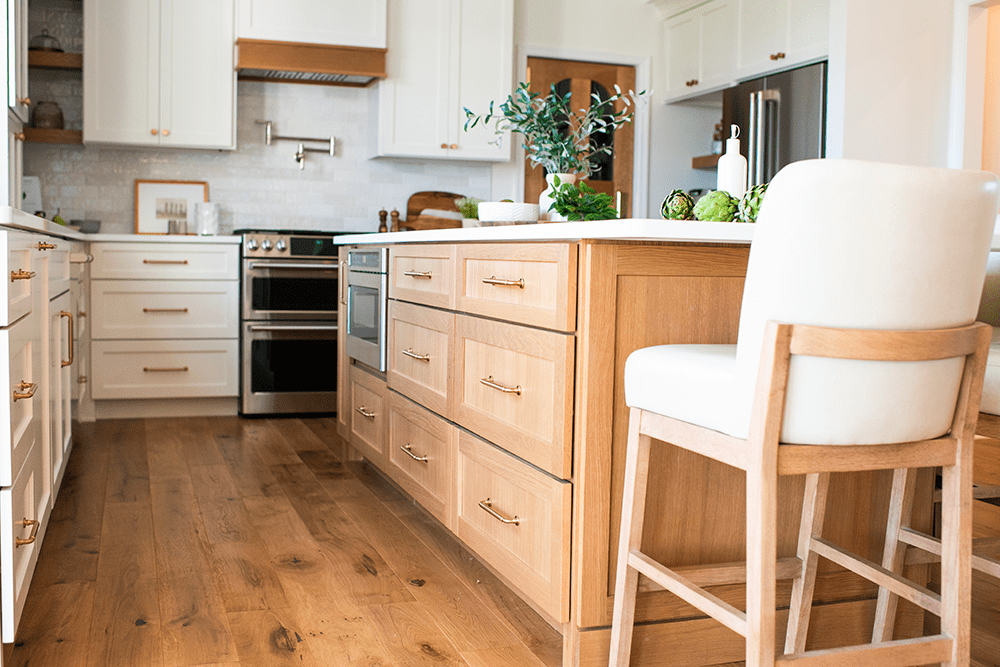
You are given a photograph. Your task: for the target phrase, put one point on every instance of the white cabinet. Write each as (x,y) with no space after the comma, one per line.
(779,34)
(60,385)
(444,55)
(159,72)
(701,50)
(17,58)
(338,22)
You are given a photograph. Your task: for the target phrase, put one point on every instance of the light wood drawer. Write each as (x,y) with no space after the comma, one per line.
(423,274)
(533,554)
(422,452)
(165,261)
(20,345)
(164,368)
(27,499)
(149,309)
(420,354)
(17,255)
(514,387)
(369,416)
(530,283)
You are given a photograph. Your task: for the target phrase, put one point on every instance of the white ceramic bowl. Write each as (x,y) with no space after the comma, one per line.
(507,213)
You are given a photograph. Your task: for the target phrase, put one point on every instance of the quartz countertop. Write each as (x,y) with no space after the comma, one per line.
(163,238)
(12,217)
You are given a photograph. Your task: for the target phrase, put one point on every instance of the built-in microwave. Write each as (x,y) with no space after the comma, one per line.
(367,306)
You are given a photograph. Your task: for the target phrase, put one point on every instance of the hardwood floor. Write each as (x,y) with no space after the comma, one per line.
(225,542)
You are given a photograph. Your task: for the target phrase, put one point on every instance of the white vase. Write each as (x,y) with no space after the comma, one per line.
(545,199)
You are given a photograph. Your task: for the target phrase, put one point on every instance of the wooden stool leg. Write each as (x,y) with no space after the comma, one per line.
(630,537)
(762,553)
(811,525)
(894,554)
(956,552)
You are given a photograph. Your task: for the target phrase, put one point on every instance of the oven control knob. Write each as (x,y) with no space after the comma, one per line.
(280,245)
(252,244)
(266,245)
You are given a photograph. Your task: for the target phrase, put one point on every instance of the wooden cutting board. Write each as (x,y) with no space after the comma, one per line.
(420,201)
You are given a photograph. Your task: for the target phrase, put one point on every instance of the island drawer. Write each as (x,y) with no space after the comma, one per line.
(423,274)
(149,309)
(165,261)
(514,387)
(421,457)
(529,283)
(518,519)
(420,354)
(25,377)
(164,368)
(369,416)
(17,277)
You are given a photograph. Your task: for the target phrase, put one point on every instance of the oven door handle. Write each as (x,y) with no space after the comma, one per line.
(293,327)
(294,265)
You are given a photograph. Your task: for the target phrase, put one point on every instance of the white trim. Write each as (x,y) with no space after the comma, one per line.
(641,122)
(965,120)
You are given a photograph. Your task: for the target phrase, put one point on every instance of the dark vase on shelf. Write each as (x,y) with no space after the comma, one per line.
(48,115)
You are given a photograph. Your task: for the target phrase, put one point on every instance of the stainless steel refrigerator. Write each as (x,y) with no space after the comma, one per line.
(782,118)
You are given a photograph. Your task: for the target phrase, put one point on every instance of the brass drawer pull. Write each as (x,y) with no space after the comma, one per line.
(777,56)
(418,274)
(406,448)
(364,413)
(487,506)
(164,261)
(21,274)
(181,369)
(413,355)
(69,318)
(488,381)
(493,280)
(42,245)
(18,542)
(164,310)
(27,390)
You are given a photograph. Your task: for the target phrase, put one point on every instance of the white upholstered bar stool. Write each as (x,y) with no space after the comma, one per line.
(857,350)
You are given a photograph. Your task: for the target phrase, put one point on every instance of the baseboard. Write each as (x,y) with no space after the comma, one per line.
(166,407)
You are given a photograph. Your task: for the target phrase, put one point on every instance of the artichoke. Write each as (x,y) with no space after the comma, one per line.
(678,205)
(717,206)
(750,204)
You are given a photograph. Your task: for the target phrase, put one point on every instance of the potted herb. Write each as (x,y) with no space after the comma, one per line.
(469,208)
(581,202)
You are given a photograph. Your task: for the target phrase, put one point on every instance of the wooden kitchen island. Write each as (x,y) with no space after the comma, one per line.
(506,402)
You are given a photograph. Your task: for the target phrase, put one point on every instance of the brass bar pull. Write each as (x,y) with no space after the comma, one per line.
(21,274)
(406,448)
(487,506)
(42,245)
(18,542)
(69,317)
(181,369)
(364,412)
(488,381)
(493,280)
(413,355)
(164,261)
(418,274)
(27,390)
(164,310)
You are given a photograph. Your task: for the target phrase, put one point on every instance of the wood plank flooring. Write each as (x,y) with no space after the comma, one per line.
(229,542)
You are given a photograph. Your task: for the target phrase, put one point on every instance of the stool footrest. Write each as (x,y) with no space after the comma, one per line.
(900,653)
(723,574)
(982,563)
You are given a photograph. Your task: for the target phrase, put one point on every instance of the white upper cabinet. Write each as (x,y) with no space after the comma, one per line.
(778,34)
(339,22)
(444,55)
(159,72)
(701,50)
(17,58)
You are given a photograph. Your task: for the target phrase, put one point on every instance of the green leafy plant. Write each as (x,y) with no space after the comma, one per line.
(555,136)
(468,206)
(581,202)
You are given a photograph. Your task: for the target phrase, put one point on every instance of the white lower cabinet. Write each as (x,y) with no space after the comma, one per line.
(60,389)
(127,369)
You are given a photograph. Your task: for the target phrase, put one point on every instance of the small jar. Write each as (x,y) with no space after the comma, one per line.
(48,115)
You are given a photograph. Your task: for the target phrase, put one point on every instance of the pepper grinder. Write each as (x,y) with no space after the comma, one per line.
(395,220)
(382,217)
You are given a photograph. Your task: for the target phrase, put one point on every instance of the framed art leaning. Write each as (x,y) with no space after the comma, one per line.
(163,207)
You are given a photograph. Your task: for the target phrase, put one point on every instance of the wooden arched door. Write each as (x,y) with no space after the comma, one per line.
(583,78)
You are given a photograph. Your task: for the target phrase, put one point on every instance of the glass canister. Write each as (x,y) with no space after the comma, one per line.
(206,218)
(48,115)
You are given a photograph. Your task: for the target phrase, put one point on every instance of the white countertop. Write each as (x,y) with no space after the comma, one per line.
(163,238)
(12,217)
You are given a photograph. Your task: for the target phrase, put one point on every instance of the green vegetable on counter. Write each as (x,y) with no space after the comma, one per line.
(678,205)
(750,204)
(717,206)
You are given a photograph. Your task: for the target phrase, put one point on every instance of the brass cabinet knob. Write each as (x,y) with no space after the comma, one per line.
(26,101)
(444,145)
(692,82)
(154,132)
(19,136)
(453,146)
(777,56)
(165,132)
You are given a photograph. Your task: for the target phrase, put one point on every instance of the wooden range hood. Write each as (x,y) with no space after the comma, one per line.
(294,62)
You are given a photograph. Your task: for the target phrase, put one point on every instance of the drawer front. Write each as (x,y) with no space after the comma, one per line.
(420,354)
(421,457)
(17,280)
(369,416)
(164,368)
(21,346)
(150,309)
(530,283)
(26,499)
(495,489)
(59,268)
(164,261)
(423,274)
(514,387)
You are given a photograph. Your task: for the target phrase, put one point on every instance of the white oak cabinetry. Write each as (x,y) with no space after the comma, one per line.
(368,414)
(776,35)
(159,72)
(336,22)
(444,55)
(701,50)
(165,321)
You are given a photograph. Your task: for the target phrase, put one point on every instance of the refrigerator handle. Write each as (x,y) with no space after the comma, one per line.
(769,109)
(752,143)
(759,155)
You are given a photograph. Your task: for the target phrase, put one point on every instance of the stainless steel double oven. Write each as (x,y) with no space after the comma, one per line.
(290,294)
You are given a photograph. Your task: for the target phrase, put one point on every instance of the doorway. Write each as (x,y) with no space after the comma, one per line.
(612,174)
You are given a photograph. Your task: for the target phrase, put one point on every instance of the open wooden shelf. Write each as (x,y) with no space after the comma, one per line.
(55,60)
(42,135)
(705,162)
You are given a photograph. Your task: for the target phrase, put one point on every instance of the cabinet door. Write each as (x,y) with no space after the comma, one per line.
(343,363)
(197,78)
(121,71)
(59,390)
(763,34)
(809,37)
(15,161)
(683,53)
(718,44)
(17,62)
(338,22)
